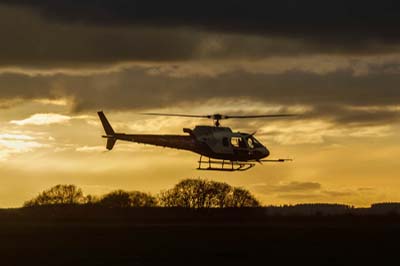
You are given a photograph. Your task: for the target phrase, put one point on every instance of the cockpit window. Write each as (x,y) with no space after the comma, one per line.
(256,143)
(250,143)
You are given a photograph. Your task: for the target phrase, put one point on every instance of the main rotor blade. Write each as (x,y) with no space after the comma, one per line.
(178,115)
(259,116)
(220,116)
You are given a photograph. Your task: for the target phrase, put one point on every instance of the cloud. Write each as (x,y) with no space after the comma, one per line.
(311,191)
(337,97)
(333,21)
(56,102)
(49,118)
(12,143)
(115,56)
(62,45)
(345,193)
(318,130)
(291,187)
(323,195)
(298,186)
(12,136)
(42,119)
(92,34)
(91,149)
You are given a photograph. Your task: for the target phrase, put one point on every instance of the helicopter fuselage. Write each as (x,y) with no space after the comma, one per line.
(210,141)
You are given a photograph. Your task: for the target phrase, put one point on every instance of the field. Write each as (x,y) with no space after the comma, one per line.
(85,236)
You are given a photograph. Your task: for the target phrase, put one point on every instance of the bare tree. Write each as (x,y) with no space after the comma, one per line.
(198,193)
(189,193)
(124,199)
(141,199)
(59,194)
(241,197)
(221,192)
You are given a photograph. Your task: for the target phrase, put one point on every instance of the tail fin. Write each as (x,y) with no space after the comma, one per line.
(110,134)
(107,127)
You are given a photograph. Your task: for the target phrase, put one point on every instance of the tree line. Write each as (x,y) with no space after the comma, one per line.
(188,193)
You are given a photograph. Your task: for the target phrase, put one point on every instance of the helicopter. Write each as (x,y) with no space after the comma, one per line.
(226,150)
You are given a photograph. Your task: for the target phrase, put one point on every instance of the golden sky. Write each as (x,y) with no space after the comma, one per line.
(42,144)
(60,64)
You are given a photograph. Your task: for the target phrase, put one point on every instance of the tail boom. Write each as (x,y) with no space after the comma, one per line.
(171,141)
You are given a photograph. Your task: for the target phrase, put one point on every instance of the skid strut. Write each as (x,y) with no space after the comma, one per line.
(223,165)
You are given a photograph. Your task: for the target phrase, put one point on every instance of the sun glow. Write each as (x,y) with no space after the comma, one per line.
(42,119)
(17,143)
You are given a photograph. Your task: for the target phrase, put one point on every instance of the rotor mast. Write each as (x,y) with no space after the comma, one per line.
(216,118)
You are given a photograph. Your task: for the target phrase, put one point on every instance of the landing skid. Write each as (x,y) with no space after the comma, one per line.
(223,165)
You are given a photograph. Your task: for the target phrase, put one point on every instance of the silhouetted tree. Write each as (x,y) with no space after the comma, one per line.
(221,192)
(141,199)
(241,197)
(198,193)
(124,199)
(189,193)
(92,199)
(385,208)
(59,194)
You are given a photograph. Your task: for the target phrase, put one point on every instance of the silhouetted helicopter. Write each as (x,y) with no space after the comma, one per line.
(226,150)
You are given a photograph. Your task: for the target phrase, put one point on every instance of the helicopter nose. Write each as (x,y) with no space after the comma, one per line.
(266,152)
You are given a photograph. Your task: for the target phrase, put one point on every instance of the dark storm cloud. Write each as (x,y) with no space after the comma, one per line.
(42,33)
(347,20)
(340,96)
(353,116)
(27,40)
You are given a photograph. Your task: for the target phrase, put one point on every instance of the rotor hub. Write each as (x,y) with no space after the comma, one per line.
(217,118)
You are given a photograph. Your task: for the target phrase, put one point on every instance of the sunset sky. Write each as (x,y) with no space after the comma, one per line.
(337,63)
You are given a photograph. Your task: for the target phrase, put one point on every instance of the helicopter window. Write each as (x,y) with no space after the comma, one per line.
(238,142)
(225,142)
(256,143)
(250,143)
(235,142)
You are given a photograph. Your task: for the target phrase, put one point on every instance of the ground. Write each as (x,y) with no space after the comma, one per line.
(128,237)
